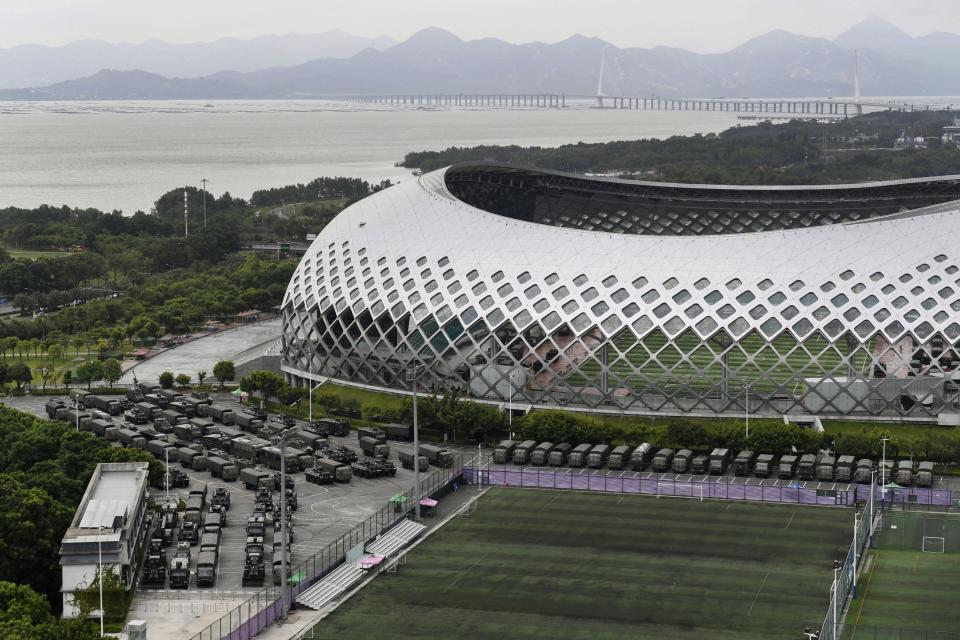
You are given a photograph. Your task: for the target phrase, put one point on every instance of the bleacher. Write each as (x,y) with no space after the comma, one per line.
(396,538)
(331,586)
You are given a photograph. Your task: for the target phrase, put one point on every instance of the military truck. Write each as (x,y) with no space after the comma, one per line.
(806,470)
(180,571)
(578,456)
(395,431)
(328,427)
(341,472)
(662,460)
(223,469)
(824,470)
(221,498)
(844,469)
(540,454)
(253,572)
(598,456)
(406,461)
(558,455)
(371,432)
(764,465)
(700,464)
(374,448)
(640,456)
(106,404)
(787,467)
(438,456)
(206,569)
(904,475)
(719,459)
(681,461)
(864,471)
(925,474)
(743,462)
(619,457)
(504,451)
(247,422)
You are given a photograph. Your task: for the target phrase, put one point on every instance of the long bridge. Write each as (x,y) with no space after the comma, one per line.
(806,107)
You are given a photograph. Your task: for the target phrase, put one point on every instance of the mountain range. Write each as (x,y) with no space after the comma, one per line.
(32,65)
(776,64)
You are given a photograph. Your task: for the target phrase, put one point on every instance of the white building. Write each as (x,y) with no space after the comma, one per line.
(551,289)
(110,523)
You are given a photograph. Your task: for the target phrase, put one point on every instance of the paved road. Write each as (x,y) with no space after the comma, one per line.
(202,354)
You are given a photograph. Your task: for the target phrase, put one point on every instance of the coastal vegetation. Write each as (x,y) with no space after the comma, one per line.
(862,148)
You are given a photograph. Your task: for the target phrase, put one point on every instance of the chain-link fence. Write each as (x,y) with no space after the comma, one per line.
(264,607)
(667,484)
(912,497)
(850,631)
(865,528)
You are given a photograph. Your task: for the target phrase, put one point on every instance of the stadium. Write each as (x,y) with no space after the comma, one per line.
(548,289)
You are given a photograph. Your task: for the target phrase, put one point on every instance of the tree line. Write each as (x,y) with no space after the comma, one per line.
(795,152)
(44,469)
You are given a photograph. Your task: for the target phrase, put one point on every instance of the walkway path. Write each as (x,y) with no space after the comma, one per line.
(202,354)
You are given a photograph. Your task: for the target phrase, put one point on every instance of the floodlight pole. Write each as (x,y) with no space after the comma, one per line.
(856,548)
(413,374)
(510,412)
(100,570)
(281,440)
(746,390)
(204,181)
(883,472)
(836,595)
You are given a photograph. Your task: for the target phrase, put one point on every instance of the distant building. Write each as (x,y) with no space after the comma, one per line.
(111,520)
(910,142)
(951,135)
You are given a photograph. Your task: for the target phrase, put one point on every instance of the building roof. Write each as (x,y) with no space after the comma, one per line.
(112,496)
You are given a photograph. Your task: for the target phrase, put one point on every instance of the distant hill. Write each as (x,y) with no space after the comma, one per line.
(32,65)
(776,64)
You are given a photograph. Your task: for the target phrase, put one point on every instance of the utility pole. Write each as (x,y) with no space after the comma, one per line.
(186,224)
(204,181)
(166,475)
(100,569)
(413,374)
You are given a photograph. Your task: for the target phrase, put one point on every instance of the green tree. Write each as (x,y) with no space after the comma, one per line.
(24,613)
(200,376)
(89,372)
(47,372)
(183,380)
(111,370)
(55,351)
(19,373)
(224,371)
(166,379)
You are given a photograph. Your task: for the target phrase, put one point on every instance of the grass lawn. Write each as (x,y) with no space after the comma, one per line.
(361,396)
(32,255)
(904,587)
(555,564)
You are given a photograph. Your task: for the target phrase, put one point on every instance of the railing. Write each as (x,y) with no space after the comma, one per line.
(667,484)
(848,631)
(264,607)
(845,581)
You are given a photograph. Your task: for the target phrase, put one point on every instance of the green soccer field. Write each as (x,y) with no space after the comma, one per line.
(904,591)
(554,564)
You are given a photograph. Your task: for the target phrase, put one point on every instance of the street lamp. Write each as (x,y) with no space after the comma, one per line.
(510,412)
(883,472)
(100,572)
(166,475)
(281,441)
(746,391)
(414,370)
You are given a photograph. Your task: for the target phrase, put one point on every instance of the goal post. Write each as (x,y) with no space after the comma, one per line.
(933,544)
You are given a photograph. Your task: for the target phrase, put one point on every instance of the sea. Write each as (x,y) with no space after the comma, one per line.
(122,155)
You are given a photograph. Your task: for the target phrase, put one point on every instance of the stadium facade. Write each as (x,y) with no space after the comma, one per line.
(552,289)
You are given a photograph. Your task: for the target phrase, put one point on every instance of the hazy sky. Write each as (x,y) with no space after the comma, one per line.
(701,25)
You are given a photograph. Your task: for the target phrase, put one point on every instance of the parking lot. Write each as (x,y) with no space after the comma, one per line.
(324,513)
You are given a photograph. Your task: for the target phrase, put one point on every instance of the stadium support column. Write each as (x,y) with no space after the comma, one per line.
(604,370)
